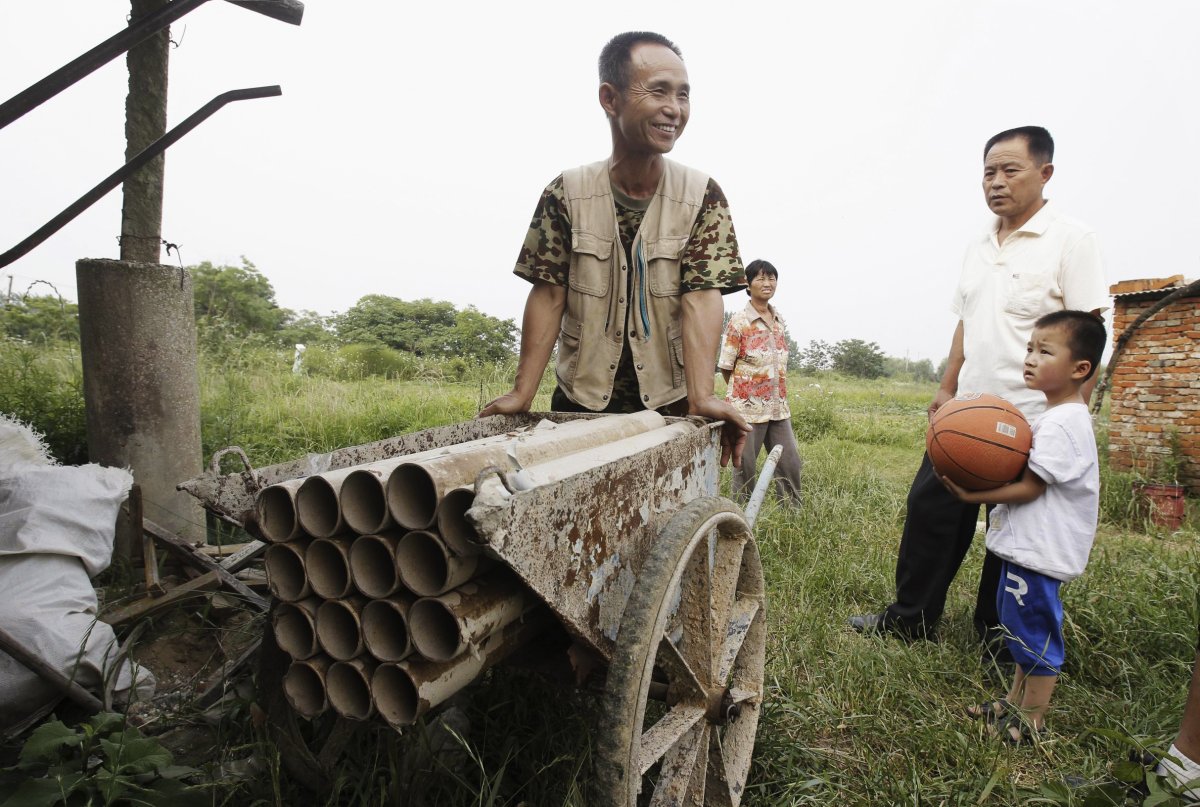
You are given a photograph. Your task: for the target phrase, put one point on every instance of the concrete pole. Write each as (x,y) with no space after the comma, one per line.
(137,336)
(145,122)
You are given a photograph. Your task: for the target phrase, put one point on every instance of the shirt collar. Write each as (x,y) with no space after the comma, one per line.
(1036,225)
(752,313)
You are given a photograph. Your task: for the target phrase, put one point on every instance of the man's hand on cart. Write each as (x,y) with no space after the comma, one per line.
(733,433)
(510,403)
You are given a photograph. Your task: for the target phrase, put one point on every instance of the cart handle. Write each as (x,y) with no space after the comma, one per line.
(764,481)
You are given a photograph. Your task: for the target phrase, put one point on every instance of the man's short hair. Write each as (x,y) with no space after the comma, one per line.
(755,268)
(1037,140)
(614,59)
(1086,336)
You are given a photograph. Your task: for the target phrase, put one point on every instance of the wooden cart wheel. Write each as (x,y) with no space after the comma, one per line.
(685,686)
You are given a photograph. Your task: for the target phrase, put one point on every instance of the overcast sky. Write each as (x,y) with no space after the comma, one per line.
(412,141)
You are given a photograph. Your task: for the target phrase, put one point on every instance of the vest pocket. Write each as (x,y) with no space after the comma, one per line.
(675,335)
(662,264)
(568,348)
(591,258)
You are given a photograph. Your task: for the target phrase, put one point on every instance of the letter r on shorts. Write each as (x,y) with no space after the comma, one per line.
(1021,588)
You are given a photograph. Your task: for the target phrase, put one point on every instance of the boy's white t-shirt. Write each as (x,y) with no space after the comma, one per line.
(1053,534)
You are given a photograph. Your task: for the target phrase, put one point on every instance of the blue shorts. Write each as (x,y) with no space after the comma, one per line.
(1032,616)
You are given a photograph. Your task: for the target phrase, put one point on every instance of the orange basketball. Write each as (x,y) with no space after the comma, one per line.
(980,441)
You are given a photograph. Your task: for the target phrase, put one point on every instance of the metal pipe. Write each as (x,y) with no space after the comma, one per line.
(304,685)
(405,690)
(286,577)
(140,159)
(415,488)
(276,511)
(318,506)
(385,627)
(373,564)
(327,562)
(339,627)
(295,625)
(449,625)
(458,533)
(349,686)
(556,470)
(760,488)
(428,567)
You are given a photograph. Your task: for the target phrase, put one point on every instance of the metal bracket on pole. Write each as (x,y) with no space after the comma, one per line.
(290,11)
(146,155)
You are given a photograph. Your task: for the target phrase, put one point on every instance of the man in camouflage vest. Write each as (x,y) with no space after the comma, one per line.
(628,259)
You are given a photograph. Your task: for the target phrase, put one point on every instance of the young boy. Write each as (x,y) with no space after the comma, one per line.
(1044,523)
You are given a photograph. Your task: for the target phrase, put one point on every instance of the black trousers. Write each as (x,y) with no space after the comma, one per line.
(938,530)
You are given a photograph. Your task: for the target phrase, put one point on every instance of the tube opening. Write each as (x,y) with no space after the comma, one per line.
(296,630)
(317,507)
(434,630)
(373,566)
(349,691)
(385,630)
(338,630)
(452,522)
(395,695)
(423,563)
(412,497)
(328,569)
(285,571)
(304,687)
(277,514)
(364,504)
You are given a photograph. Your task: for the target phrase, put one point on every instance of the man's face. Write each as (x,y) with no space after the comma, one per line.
(1012,180)
(651,113)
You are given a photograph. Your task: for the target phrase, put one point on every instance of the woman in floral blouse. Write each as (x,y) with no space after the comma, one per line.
(754,362)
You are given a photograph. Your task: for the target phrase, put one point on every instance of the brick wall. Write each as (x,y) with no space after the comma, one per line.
(1156,386)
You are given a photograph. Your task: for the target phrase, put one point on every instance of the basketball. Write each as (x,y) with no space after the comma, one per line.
(980,441)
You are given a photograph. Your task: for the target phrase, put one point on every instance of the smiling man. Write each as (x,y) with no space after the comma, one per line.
(628,258)
(1032,260)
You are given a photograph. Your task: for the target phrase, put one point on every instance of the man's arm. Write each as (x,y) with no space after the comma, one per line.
(702,315)
(539,331)
(949,386)
(1025,489)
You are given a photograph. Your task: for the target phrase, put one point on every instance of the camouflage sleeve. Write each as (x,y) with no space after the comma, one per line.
(546,253)
(711,259)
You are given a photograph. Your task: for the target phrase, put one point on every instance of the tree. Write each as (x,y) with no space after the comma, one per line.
(239,296)
(39,319)
(858,358)
(817,356)
(305,328)
(427,328)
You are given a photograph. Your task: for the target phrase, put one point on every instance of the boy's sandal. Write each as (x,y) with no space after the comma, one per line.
(990,711)
(1025,734)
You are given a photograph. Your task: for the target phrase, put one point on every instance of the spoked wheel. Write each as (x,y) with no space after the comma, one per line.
(685,685)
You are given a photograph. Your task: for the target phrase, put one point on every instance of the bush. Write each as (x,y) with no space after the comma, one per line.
(44,388)
(813,416)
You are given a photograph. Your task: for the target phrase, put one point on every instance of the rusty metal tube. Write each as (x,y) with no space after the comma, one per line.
(428,567)
(449,625)
(286,575)
(385,627)
(458,533)
(276,511)
(339,627)
(327,562)
(415,488)
(295,625)
(304,685)
(405,690)
(373,564)
(348,684)
(363,493)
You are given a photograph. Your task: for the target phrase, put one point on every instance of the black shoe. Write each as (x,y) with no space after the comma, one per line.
(880,623)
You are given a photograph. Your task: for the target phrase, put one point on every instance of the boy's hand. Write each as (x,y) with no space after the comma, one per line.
(960,493)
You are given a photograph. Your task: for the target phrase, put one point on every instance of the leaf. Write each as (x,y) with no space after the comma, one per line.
(173,793)
(47,741)
(135,755)
(44,792)
(1128,771)
(107,723)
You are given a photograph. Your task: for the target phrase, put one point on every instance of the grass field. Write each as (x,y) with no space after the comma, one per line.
(850,719)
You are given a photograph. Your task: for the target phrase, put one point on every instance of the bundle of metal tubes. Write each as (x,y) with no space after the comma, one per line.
(389,602)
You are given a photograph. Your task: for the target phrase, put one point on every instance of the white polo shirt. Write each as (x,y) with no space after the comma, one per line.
(1051,263)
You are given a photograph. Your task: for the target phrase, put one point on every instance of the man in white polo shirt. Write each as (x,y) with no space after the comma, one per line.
(1033,260)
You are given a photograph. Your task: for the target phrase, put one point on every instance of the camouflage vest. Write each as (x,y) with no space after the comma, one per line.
(609,300)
